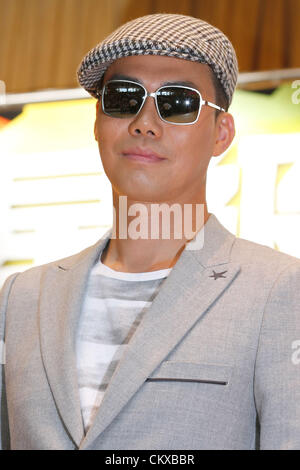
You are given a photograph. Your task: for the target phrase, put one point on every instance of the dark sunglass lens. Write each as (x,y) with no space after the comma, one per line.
(122,99)
(178,104)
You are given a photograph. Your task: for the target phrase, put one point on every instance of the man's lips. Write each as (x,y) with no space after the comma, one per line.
(145,155)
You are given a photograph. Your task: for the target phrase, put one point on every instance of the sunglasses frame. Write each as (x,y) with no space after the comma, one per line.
(154,95)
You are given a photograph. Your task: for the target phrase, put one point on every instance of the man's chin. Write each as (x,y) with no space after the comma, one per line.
(139,194)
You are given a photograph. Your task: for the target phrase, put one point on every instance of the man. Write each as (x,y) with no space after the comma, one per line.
(153,341)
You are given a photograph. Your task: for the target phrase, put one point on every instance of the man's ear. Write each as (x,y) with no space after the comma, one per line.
(95,125)
(225,132)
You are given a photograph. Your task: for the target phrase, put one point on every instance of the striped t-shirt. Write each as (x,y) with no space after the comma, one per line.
(114,305)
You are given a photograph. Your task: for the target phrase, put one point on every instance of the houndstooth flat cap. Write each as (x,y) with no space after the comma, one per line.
(163,34)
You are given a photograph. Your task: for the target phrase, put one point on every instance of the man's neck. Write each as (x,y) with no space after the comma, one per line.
(143,255)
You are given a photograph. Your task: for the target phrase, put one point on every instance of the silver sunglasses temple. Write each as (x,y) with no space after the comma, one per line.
(212,105)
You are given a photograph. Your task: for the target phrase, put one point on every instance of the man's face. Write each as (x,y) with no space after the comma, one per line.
(186,150)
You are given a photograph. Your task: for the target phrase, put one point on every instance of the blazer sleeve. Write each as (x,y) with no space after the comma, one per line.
(277,368)
(4,425)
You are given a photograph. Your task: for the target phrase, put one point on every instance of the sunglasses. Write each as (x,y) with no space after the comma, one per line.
(175,104)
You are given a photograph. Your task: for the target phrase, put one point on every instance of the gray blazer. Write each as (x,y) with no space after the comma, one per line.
(213,365)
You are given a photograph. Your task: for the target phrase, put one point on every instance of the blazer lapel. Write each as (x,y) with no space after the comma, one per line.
(62,292)
(184,297)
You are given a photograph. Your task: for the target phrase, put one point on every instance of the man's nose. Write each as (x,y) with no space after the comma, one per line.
(147,122)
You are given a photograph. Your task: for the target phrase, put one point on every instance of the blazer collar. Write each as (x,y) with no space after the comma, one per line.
(185,296)
(216,249)
(63,288)
(217,244)
(190,282)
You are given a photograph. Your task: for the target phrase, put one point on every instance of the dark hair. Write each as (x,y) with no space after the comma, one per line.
(100,83)
(220,96)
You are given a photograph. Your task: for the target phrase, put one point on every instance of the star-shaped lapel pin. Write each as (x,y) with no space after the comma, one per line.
(217,275)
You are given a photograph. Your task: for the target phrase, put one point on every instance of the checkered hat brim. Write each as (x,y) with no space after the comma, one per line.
(179,36)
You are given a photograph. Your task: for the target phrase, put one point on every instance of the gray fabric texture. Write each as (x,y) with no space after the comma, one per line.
(209,367)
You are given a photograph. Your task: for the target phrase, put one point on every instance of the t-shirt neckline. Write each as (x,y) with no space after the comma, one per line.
(129,276)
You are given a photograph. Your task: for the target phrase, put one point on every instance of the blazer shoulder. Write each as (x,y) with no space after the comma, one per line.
(30,278)
(266,258)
